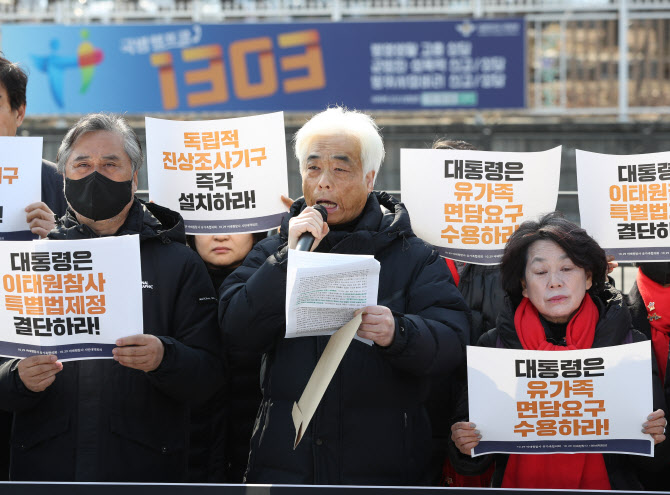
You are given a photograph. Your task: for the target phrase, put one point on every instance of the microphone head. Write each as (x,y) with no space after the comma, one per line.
(322,209)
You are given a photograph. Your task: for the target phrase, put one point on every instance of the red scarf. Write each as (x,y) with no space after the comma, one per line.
(454,270)
(579,334)
(556,471)
(657,302)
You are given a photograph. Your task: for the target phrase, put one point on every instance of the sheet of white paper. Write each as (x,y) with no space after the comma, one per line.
(467,203)
(20,184)
(71,298)
(547,402)
(323,290)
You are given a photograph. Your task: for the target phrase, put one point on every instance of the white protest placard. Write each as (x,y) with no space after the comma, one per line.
(623,203)
(467,203)
(71,298)
(222,176)
(548,402)
(323,290)
(20,184)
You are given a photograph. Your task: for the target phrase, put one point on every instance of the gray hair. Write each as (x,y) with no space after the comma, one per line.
(339,120)
(101,122)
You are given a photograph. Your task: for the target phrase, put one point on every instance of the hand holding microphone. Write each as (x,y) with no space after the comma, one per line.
(307,229)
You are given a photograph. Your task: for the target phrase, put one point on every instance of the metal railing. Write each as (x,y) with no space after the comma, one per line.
(118,11)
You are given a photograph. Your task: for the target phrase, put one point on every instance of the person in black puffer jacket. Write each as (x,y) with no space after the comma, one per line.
(649,303)
(371,426)
(121,419)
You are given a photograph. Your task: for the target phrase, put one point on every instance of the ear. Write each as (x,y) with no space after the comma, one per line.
(524,292)
(20,115)
(589,280)
(370,180)
(135,182)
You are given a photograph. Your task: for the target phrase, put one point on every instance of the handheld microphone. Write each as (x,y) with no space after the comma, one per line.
(306,239)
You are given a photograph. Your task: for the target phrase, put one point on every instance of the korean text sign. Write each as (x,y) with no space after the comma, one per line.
(547,402)
(266,67)
(72,298)
(467,203)
(223,176)
(20,184)
(624,202)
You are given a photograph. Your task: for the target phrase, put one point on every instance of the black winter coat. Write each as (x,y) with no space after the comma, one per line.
(371,427)
(100,421)
(652,477)
(613,328)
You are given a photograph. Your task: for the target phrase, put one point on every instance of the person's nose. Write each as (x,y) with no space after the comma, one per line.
(221,237)
(325,179)
(555,280)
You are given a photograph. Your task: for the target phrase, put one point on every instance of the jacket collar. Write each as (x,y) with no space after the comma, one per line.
(149,220)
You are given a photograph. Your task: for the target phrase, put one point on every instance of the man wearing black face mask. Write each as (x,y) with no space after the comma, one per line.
(123,419)
(649,305)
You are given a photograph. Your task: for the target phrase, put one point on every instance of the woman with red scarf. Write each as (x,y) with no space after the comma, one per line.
(554,273)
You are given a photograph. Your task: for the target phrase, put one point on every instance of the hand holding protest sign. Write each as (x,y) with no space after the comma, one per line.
(40,218)
(38,372)
(142,352)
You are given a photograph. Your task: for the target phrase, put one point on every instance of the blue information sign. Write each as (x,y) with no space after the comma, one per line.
(476,64)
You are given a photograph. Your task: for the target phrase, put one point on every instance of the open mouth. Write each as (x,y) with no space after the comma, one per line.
(328,205)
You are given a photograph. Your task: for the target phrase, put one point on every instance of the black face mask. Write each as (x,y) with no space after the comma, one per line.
(659,272)
(97,197)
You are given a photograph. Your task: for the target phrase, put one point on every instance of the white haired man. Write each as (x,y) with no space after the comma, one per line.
(371,427)
(124,419)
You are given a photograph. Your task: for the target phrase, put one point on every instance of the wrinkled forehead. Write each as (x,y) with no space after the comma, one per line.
(337,143)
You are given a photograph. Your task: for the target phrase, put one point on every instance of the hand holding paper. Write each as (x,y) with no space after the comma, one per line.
(142,352)
(655,426)
(377,325)
(40,218)
(465,436)
(38,372)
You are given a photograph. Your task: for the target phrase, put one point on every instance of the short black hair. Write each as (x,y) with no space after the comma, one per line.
(15,80)
(580,247)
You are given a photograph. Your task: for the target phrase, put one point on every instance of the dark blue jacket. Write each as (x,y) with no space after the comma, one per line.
(371,427)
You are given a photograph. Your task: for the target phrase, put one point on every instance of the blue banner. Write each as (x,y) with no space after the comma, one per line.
(467,64)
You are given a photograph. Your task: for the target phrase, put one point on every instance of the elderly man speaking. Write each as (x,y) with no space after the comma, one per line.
(371,427)
(124,419)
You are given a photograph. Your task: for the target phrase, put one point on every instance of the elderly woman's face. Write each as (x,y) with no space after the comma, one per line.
(553,283)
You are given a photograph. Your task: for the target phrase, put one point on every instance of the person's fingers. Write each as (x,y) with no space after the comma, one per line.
(39,369)
(463,425)
(37,360)
(133,351)
(288,202)
(658,413)
(139,339)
